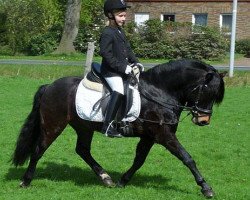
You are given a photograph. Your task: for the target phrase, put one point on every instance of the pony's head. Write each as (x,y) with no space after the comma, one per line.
(204,88)
(194,84)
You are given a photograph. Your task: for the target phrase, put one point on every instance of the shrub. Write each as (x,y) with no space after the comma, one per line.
(26,19)
(90,26)
(243,47)
(134,37)
(87,33)
(5,50)
(42,44)
(208,44)
(153,31)
(3,29)
(176,40)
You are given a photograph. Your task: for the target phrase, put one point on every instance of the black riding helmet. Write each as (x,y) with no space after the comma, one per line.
(111,5)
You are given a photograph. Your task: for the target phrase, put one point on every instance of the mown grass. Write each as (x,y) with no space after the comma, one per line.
(221,150)
(81,57)
(52,72)
(71,57)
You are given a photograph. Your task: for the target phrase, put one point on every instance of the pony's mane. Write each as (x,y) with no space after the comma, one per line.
(179,65)
(172,71)
(175,74)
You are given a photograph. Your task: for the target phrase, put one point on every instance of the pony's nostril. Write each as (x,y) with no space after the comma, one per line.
(203,123)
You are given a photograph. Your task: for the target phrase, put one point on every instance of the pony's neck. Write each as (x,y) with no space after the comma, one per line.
(172,83)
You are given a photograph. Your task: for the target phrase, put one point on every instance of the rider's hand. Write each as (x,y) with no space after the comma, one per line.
(140,66)
(128,69)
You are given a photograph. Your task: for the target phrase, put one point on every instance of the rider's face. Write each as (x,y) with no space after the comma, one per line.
(120,18)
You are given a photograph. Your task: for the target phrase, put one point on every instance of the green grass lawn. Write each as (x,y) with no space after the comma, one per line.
(221,150)
(80,57)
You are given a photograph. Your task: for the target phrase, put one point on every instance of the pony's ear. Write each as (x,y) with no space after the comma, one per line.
(209,77)
(223,74)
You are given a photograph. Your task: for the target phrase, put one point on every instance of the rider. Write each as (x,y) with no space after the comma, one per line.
(117,59)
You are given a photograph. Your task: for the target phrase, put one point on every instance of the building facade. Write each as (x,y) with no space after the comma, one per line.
(199,12)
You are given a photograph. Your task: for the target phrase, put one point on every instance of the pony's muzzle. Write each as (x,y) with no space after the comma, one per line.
(201,119)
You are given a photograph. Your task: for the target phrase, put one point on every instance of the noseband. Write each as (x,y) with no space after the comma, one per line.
(196,110)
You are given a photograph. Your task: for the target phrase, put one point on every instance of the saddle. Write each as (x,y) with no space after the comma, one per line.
(93,96)
(95,80)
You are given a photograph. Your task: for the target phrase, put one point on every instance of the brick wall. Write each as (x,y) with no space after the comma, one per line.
(183,12)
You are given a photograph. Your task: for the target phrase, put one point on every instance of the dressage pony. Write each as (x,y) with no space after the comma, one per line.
(165,90)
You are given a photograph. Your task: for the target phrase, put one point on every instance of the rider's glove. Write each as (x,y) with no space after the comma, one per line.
(128,69)
(140,66)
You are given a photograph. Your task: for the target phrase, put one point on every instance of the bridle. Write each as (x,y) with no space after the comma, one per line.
(195,110)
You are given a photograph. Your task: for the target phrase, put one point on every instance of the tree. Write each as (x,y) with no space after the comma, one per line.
(23,19)
(71,27)
(92,21)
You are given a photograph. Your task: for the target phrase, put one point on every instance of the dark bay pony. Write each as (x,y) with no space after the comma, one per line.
(166,90)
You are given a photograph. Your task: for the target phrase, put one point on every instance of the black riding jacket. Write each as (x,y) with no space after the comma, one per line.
(115,51)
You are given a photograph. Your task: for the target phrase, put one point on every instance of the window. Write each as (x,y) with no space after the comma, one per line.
(199,19)
(140,18)
(226,22)
(168,17)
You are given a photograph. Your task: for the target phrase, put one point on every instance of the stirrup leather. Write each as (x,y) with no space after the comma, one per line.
(109,132)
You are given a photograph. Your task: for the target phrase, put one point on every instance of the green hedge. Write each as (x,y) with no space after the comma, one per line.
(243,47)
(21,21)
(44,43)
(156,39)
(176,40)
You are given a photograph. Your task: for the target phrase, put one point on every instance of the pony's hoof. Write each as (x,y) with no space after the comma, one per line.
(107,180)
(109,183)
(24,185)
(120,184)
(208,193)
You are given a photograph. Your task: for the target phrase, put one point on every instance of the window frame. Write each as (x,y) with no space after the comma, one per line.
(141,13)
(194,19)
(224,30)
(162,17)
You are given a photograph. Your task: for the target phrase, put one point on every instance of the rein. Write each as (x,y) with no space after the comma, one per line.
(167,105)
(194,110)
(162,122)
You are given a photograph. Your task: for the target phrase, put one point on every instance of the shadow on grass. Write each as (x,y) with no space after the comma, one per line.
(82,176)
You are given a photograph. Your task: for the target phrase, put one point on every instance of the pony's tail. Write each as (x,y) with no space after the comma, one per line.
(29,133)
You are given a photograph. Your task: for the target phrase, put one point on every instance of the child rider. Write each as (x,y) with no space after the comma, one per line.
(117,58)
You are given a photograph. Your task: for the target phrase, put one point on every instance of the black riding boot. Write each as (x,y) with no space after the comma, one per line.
(113,106)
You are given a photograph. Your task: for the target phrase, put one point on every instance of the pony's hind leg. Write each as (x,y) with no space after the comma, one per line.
(29,173)
(44,141)
(83,147)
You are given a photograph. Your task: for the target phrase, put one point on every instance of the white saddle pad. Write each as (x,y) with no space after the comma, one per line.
(86,99)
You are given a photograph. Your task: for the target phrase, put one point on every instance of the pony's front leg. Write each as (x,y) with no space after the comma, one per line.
(142,150)
(172,144)
(83,147)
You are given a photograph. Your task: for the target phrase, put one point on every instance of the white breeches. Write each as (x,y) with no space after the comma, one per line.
(115,83)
